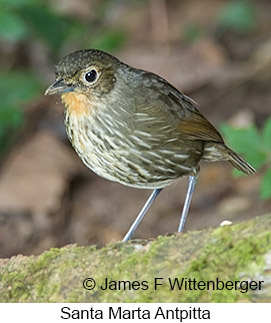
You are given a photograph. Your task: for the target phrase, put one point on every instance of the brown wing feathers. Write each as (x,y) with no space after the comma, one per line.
(196,127)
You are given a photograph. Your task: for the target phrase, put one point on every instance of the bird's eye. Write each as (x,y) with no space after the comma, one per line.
(91,76)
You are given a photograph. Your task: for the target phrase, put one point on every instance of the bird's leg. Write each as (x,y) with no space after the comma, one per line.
(192,181)
(141,215)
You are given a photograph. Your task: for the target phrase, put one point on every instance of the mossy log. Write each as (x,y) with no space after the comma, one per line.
(239,252)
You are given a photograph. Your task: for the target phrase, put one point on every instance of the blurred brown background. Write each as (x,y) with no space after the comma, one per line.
(216,51)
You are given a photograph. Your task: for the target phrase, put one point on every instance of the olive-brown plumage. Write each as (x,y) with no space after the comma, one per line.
(131,126)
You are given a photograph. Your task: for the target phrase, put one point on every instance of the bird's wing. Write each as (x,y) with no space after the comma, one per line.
(192,124)
(196,127)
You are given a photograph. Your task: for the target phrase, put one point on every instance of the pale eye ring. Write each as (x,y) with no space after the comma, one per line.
(91,76)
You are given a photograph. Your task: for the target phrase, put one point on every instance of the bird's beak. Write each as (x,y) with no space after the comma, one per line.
(59,86)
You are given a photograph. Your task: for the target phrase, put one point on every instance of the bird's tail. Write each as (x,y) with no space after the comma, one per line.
(214,151)
(239,163)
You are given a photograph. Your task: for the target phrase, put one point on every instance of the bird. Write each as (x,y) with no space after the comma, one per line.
(133,127)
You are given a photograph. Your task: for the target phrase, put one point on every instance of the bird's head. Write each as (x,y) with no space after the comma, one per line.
(88,72)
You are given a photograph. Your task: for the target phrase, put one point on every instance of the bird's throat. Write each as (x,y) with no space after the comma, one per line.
(76,103)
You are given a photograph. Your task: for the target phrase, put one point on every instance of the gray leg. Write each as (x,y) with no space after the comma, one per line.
(140,216)
(192,181)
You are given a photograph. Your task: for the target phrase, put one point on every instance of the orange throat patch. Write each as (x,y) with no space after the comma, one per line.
(76,103)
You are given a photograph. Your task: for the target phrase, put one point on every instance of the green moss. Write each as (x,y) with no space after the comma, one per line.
(229,253)
(243,256)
